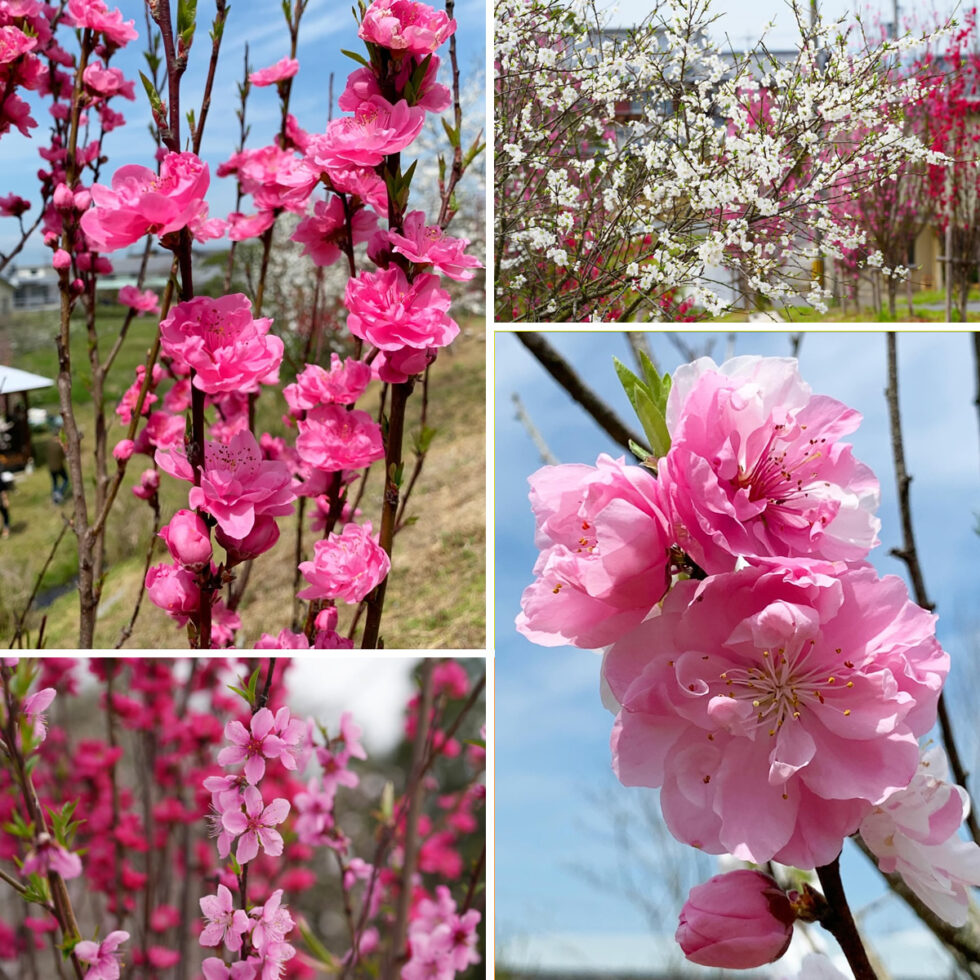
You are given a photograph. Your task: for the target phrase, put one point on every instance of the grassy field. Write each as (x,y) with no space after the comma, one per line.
(435,597)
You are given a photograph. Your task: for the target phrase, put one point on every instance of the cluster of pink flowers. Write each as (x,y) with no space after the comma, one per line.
(764,676)
(268,824)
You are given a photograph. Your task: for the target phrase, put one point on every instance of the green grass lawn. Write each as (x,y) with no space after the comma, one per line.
(435,598)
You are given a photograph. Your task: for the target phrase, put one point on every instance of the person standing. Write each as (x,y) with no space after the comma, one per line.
(56,466)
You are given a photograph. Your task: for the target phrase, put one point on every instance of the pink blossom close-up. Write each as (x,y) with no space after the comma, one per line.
(96,15)
(225,924)
(229,350)
(333,437)
(345,566)
(282,69)
(406,26)
(141,202)
(256,825)
(775,706)
(324,233)
(390,312)
(605,553)
(376,128)
(142,302)
(102,958)
(342,384)
(429,245)
(756,466)
(737,920)
(237,484)
(915,832)
(252,745)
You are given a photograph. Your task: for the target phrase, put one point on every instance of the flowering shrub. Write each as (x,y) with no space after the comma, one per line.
(116,774)
(638,168)
(345,194)
(764,677)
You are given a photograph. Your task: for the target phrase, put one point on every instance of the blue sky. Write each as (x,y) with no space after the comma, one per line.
(327,27)
(555,793)
(743,21)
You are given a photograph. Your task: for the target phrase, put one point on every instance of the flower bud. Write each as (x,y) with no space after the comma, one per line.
(188,539)
(264,534)
(123,449)
(738,920)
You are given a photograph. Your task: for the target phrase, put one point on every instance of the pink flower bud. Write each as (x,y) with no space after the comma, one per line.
(61,259)
(174,590)
(188,539)
(123,449)
(263,536)
(738,920)
(63,199)
(148,485)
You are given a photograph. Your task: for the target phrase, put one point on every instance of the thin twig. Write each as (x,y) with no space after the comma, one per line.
(544,451)
(910,556)
(838,920)
(37,585)
(562,372)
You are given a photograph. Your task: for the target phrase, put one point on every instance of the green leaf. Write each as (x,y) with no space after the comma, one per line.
(358,58)
(252,685)
(156,103)
(473,151)
(388,800)
(424,440)
(186,21)
(452,133)
(316,948)
(653,422)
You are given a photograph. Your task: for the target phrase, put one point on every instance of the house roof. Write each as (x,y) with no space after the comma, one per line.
(13,379)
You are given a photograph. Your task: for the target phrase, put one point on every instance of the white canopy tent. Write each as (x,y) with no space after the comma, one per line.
(15,431)
(13,380)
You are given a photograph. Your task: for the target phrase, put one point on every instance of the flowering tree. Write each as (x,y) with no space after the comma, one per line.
(763,675)
(192,407)
(324,859)
(636,165)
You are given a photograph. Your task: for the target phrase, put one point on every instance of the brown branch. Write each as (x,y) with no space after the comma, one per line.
(544,451)
(838,921)
(389,507)
(562,372)
(910,556)
(411,842)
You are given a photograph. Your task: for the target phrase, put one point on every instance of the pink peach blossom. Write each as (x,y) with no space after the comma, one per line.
(323,233)
(428,245)
(756,466)
(141,202)
(283,68)
(605,553)
(229,350)
(102,958)
(345,566)
(244,226)
(915,832)
(262,537)
(775,705)
(376,129)
(226,924)
(332,437)
(256,825)
(108,82)
(252,745)
(390,312)
(95,14)
(343,384)
(237,484)
(362,84)
(737,920)
(406,26)
(145,302)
